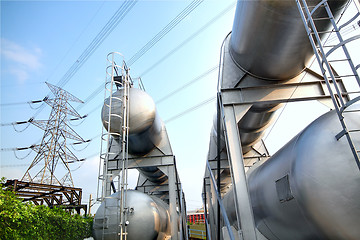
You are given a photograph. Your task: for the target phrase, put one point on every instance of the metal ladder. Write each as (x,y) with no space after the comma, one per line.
(117,79)
(341,100)
(123,179)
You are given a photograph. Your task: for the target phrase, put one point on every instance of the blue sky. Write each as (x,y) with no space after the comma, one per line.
(41,40)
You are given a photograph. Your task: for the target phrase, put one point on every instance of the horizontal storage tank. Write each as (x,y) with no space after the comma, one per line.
(268,41)
(144,123)
(145,126)
(310,188)
(147,219)
(268,38)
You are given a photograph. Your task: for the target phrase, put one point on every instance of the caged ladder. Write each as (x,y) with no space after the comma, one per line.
(117,78)
(327,56)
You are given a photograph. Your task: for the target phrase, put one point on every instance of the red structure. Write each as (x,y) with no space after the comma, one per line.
(196,218)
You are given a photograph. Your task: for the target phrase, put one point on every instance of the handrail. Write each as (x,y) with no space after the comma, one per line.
(222,208)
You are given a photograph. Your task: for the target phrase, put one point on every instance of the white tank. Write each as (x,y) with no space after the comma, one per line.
(148,218)
(144,123)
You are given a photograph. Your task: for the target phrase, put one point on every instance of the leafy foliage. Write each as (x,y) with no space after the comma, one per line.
(20,220)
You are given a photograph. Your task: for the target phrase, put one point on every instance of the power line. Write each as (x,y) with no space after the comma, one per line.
(101,36)
(92,95)
(92,19)
(21,103)
(193,5)
(190,109)
(32,119)
(187,84)
(26,165)
(187,40)
(14,165)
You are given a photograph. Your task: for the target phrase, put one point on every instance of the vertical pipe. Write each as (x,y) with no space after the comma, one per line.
(218,162)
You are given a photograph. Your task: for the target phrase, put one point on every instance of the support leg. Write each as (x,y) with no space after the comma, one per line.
(172,202)
(241,195)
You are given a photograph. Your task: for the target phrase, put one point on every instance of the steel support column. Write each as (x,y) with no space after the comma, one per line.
(218,178)
(205,209)
(172,202)
(212,206)
(241,195)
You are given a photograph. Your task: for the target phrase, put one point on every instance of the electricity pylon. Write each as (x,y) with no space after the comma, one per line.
(53,148)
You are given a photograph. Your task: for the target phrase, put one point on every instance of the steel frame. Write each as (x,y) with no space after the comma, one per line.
(52,195)
(169,191)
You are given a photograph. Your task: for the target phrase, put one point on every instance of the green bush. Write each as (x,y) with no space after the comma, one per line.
(20,220)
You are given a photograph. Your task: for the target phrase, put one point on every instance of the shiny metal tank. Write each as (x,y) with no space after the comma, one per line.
(310,188)
(254,123)
(148,219)
(251,126)
(153,174)
(268,37)
(144,123)
(269,41)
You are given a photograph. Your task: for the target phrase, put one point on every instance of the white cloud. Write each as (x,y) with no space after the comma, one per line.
(22,60)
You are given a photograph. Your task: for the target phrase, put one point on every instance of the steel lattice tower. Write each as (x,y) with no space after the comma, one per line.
(53,150)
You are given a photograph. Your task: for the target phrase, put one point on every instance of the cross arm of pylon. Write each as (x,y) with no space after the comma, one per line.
(66,130)
(35,148)
(78,118)
(65,108)
(57,91)
(70,133)
(42,124)
(70,110)
(67,156)
(78,160)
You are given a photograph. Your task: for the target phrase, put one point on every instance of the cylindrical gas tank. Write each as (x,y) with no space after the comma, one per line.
(310,188)
(268,41)
(252,126)
(148,218)
(144,123)
(268,37)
